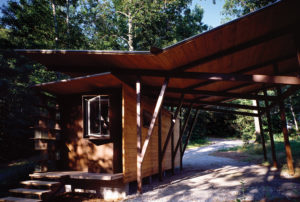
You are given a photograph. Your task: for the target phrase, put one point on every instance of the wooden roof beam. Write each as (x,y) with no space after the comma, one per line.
(229,111)
(283,96)
(229,105)
(221,104)
(256,78)
(213,93)
(247,69)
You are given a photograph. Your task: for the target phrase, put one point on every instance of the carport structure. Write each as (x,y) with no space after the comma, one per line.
(239,60)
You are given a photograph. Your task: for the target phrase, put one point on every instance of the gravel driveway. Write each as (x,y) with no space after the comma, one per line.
(210,178)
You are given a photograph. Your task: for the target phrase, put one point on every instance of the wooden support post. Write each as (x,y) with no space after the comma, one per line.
(139,136)
(190,132)
(180,140)
(172,126)
(172,146)
(159,147)
(270,131)
(262,135)
(287,145)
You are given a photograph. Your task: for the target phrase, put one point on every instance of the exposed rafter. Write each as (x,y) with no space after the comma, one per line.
(256,78)
(222,104)
(228,111)
(212,93)
(290,91)
(245,70)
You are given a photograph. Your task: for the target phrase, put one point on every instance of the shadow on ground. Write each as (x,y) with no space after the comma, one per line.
(209,178)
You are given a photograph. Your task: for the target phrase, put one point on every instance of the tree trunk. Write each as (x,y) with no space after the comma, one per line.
(53,5)
(130,34)
(256,124)
(67,22)
(293,114)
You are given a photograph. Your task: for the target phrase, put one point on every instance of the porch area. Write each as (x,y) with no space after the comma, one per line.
(45,186)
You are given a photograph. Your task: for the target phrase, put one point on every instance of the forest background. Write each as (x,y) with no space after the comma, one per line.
(104,25)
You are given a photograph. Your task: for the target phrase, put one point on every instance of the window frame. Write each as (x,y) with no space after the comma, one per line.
(86,99)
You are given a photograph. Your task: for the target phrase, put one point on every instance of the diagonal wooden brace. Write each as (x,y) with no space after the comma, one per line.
(154,116)
(172,126)
(183,129)
(190,132)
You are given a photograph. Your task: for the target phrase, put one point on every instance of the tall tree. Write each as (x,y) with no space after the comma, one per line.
(140,24)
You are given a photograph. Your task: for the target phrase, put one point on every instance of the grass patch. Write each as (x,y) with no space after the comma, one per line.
(198,143)
(229,149)
(254,153)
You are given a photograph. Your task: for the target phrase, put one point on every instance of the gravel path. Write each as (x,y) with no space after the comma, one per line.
(200,158)
(210,178)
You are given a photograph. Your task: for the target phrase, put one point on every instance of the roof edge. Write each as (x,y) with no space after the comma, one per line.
(71,79)
(52,51)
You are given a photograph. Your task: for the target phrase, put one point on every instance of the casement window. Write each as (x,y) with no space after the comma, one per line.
(96,116)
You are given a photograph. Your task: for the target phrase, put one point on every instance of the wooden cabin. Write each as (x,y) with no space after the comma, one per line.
(92,133)
(99,127)
(113,125)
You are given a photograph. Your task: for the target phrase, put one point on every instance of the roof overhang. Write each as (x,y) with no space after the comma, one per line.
(82,84)
(263,43)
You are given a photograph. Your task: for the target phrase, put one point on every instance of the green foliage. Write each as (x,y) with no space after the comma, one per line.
(139,24)
(31,25)
(209,125)
(198,143)
(253,152)
(237,8)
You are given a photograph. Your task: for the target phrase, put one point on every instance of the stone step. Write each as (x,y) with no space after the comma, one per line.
(40,183)
(17,199)
(31,192)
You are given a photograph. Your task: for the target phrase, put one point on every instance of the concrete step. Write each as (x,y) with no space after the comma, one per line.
(37,183)
(39,193)
(17,199)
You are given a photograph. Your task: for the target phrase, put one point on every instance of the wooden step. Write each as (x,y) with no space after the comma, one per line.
(40,183)
(48,175)
(32,192)
(17,199)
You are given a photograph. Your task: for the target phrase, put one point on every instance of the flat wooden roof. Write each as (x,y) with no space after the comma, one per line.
(260,43)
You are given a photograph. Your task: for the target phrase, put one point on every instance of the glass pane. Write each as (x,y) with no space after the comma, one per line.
(104,117)
(94,118)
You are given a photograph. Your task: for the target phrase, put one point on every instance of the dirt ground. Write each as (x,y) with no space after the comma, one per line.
(218,178)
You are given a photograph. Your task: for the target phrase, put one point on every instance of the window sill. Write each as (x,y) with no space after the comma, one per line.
(99,140)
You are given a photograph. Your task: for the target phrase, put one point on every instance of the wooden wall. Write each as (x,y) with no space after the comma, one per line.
(81,154)
(150,163)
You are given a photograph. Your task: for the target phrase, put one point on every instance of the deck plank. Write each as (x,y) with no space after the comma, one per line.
(97,176)
(16,199)
(40,183)
(78,175)
(37,192)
